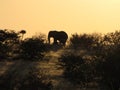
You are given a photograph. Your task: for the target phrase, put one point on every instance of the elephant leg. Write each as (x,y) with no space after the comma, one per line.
(62,42)
(55,41)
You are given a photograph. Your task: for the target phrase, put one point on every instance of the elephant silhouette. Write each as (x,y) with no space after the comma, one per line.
(60,37)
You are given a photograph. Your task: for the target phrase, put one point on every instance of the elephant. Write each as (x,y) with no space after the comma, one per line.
(60,37)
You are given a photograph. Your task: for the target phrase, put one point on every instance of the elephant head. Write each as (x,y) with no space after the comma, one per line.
(58,36)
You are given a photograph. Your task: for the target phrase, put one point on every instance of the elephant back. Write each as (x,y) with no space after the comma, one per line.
(63,35)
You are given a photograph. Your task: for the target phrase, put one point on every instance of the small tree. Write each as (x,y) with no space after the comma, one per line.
(22,32)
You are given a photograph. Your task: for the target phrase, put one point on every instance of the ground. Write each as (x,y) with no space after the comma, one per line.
(49,65)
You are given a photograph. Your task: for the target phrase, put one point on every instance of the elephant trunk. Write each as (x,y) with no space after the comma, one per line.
(48,39)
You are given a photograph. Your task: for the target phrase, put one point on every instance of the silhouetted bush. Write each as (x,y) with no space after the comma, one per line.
(8,41)
(108,62)
(77,69)
(33,48)
(3,51)
(104,68)
(85,41)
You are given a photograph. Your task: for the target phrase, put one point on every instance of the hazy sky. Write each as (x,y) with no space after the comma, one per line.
(72,16)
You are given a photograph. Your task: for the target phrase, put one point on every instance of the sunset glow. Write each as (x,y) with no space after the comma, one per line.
(81,16)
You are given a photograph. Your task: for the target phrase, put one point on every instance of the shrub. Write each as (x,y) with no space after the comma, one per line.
(108,61)
(85,41)
(76,69)
(9,39)
(33,48)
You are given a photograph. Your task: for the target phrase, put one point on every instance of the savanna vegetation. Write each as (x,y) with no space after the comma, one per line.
(88,61)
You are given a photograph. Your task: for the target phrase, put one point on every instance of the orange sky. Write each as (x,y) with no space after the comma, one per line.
(72,16)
